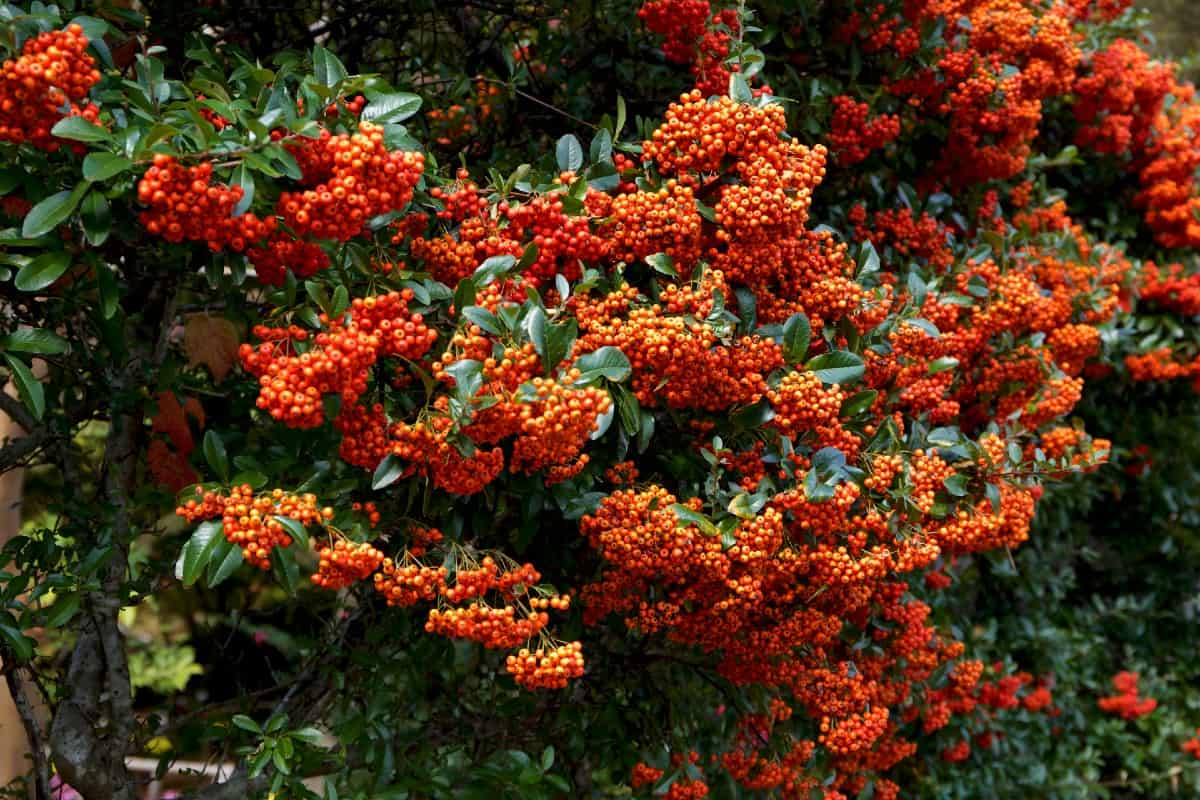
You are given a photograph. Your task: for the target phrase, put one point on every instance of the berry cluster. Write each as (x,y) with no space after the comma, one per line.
(250,521)
(1126,703)
(185,205)
(345,563)
(53,71)
(338,362)
(351,178)
(852,137)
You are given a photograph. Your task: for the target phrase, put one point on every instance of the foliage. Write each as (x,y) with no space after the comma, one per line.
(673,444)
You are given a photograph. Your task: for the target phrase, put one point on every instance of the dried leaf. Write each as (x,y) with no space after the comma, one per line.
(211,341)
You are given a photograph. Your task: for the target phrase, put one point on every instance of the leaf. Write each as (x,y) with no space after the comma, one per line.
(246,724)
(211,342)
(604,421)
(468,377)
(328,70)
(391,108)
(868,259)
(32,394)
(287,571)
(110,294)
(485,319)
(797,334)
(80,130)
(102,166)
(308,735)
(51,212)
(746,506)
(852,406)
(942,364)
(197,551)
(839,366)
(294,529)
(34,340)
(43,271)
(956,485)
(20,644)
(96,218)
(560,341)
(464,294)
(754,416)
(492,269)
(601,148)
(686,516)
(663,263)
(225,559)
(243,177)
(214,454)
(739,89)
(65,607)
(607,362)
(569,153)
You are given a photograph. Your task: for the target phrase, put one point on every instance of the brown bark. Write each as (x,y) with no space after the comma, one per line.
(14,745)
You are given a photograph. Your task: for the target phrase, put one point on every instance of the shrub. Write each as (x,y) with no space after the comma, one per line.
(697,455)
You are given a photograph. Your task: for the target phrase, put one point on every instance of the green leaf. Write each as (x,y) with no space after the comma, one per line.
(96,217)
(51,212)
(308,735)
(686,516)
(739,89)
(214,454)
(492,269)
(20,644)
(225,559)
(80,130)
(569,153)
(560,341)
(243,177)
(607,362)
(942,364)
(387,473)
(663,263)
(328,70)
(956,485)
(746,506)
(287,571)
(485,319)
(340,301)
(110,296)
(858,403)
(316,292)
(102,166)
(839,366)
(391,107)
(34,340)
(868,259)
(601,148)
(197,551)
(31,391)
(464,294)
(43,271)
(246,724)
(297,531)
(797,334)
(65,606)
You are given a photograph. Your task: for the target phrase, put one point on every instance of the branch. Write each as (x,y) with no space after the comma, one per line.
(17,450)
(16,409)
(33,732)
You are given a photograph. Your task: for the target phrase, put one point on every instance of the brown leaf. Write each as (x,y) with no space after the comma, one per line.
(211,341)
